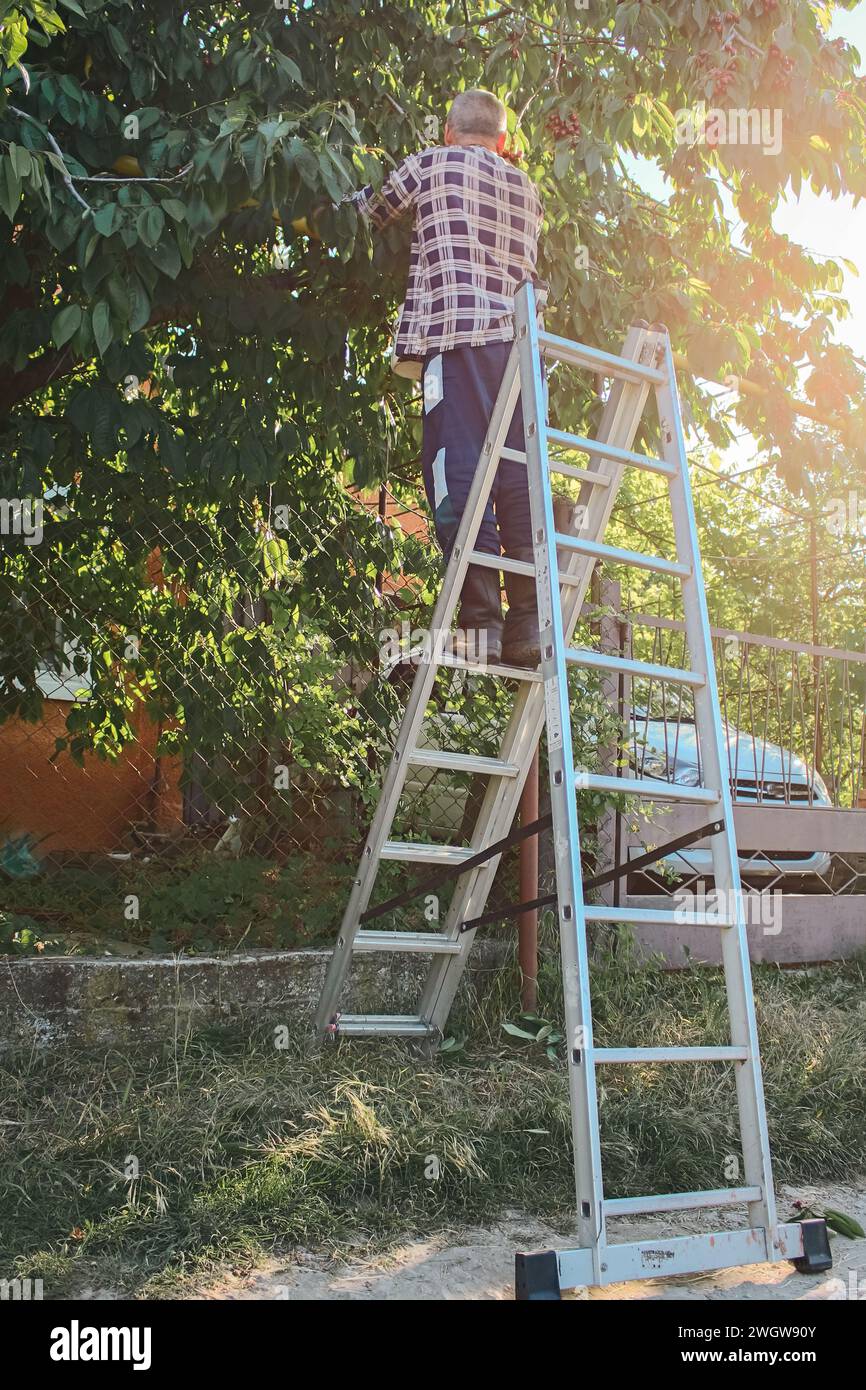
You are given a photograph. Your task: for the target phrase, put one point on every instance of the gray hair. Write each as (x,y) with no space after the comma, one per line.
(477,112)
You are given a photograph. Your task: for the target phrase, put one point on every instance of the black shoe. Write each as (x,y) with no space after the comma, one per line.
(520,642)
(479,623)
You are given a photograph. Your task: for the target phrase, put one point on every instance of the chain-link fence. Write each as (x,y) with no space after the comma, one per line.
(198,715)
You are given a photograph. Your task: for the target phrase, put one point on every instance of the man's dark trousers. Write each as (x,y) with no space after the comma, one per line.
(460,387)
(460,390)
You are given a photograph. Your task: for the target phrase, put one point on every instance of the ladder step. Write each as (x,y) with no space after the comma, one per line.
(381,1026)
(475,668)
(462,762)
(679,1255)
(602,661)
(656,788)
(424,941)
(671,1054)
(656,917)
(682,1201)
(508,566)
(583,475)
(579,355)
(416,852)
(597,449)
(617,556)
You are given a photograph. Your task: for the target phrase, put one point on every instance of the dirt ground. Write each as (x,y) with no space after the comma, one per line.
(479,1264)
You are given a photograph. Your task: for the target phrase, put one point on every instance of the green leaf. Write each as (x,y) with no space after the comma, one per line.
(304,160)
(562,161)
(102,326)
(290,68)
(105,218)
(515,1032)
(332,187)
(166,257)
(10,188)
(149,224)
(844,1225)
(117,296)
(65,324)
(275,558)
(21,161)
(244,68)
(104,432)
(140,305)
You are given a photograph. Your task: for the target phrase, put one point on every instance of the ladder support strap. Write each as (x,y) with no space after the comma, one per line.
(455,870)
(499,914)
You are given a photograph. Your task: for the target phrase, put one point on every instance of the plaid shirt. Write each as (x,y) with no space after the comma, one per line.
(475,238)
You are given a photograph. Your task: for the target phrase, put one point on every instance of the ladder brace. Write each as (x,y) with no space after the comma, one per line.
(499,914)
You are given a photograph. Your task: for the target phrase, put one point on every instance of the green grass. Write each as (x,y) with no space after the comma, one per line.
(243,1149)
(197,902)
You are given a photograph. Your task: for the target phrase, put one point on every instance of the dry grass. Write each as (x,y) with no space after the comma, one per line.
(241,1148)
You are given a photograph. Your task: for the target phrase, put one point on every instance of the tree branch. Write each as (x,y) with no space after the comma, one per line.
(64,172)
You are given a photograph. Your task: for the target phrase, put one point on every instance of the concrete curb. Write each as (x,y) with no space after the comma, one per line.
(99,1001)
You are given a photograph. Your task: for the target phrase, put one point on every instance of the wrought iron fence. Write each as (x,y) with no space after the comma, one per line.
(795,714)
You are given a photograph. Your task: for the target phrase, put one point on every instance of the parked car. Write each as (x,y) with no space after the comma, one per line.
(765,774)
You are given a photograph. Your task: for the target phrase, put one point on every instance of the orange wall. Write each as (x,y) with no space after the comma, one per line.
(87,808)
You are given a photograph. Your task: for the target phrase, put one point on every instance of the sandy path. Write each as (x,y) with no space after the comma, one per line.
(479,1264)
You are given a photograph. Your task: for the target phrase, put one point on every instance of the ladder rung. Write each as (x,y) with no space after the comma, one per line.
(682,1201)
(671,1054)
(583,475)
(602,661)
(569,470)
(509,566)
(426,941)
(415,852)
(381,1025)
(475,668)
(658,789)
(617,556)
(680,1255)
(462,762)
(598,449)
(656,917)
(579,355)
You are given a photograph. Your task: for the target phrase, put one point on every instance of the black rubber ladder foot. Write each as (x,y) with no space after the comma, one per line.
(536,1276)
(816,1256)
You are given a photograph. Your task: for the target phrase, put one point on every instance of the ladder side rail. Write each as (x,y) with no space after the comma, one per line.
(712,743)
(563,799)
(620,418)
(449,594)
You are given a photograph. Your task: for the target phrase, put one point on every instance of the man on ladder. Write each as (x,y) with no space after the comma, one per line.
(559,567)
(475,240)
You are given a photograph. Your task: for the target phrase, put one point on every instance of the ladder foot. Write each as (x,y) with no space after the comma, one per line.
(536,1276)
(816,1256)
(427,1048)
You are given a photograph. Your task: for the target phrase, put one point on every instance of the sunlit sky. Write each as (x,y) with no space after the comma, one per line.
(820,224)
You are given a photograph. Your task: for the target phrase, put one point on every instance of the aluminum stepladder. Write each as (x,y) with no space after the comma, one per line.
(542,702)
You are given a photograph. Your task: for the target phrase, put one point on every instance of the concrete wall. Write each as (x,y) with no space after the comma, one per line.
(99,1002)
